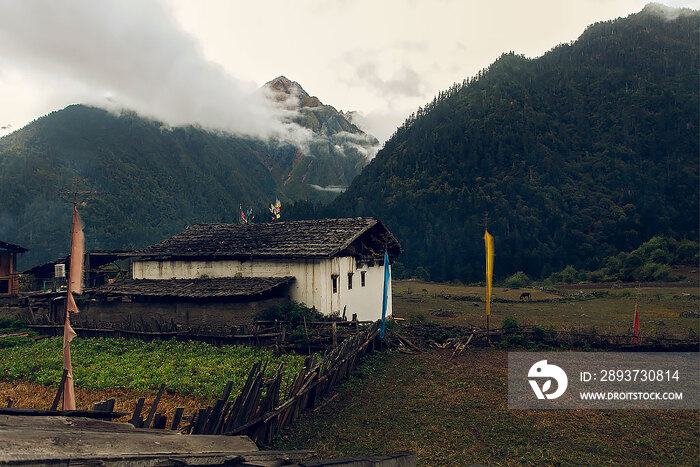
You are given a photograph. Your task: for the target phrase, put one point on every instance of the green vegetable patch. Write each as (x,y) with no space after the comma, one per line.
(186,368)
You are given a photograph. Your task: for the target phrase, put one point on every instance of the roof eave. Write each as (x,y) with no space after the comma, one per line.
(355,237)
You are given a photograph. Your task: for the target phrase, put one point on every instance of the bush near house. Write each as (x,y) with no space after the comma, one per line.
(291,313)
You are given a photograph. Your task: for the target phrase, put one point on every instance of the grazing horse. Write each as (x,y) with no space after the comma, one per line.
(526,296)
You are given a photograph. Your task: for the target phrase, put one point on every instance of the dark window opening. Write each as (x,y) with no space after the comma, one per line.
(334,278)
(350,281)
(362,278)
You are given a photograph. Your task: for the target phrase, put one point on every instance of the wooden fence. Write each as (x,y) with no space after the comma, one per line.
(320,335)
(262,408)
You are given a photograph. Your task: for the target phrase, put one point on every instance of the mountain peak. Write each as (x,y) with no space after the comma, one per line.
(284,85)
(665,11)
(281,88)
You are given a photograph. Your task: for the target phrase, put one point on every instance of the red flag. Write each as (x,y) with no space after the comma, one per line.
(75,285)
(77,254)
(68,390)
(635,327)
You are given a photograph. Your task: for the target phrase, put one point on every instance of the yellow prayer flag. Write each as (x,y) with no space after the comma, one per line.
(488,239)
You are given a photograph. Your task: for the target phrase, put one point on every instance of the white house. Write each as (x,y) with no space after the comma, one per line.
(337,264)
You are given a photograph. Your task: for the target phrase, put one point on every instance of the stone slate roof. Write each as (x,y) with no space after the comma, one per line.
(226,287)
(321,238)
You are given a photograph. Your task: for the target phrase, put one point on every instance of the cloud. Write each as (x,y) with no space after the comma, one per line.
(404,82)
(331,189)
(667,12)
(132,54)
(380,123)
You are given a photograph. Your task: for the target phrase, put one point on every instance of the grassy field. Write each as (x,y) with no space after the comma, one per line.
(455,413)
(608,308)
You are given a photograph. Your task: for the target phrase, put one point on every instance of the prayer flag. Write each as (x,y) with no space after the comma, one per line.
(387,291)
(488,239)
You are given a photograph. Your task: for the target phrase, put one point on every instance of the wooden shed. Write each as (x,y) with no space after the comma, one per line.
(9,278)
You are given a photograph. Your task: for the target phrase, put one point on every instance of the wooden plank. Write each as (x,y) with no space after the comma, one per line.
(160,421)
(227,391)
(222,420)
(110,405)
(154,407)
(33,440)
(201,421)
(17,411)
(136,419)
(59,393)
(236,409)
(213,420)
(177,418)
(104,406)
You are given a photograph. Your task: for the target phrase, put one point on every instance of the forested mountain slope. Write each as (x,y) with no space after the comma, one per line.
(151,180)
(569,158)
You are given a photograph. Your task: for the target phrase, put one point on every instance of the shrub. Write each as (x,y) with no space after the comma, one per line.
(652,272)
(290,312)
(687,252)
(660,256)
(421,273)
(568,275)
(9,325)
(510,325)
(519,279)
(417,319)
(655,243)
(662,273)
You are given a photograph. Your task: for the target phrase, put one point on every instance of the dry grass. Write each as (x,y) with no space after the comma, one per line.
(33,395)
(612,313)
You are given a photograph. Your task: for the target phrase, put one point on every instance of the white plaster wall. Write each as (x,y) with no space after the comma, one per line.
(313,284)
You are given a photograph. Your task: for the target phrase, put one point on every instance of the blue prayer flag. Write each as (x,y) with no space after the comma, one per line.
(385,297)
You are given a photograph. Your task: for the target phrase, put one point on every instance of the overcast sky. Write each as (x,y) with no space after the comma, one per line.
(186,61)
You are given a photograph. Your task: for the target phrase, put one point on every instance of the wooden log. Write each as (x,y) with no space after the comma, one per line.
(154,407)
(136,419)
(59,393)
(404,340)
